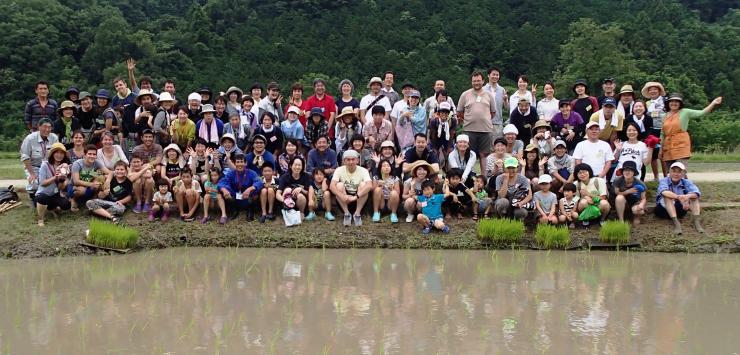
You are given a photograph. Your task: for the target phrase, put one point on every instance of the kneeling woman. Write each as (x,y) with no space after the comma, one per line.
(53,177)
(293,187)
(588,188)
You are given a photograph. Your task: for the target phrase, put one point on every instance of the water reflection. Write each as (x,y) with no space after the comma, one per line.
(190,301)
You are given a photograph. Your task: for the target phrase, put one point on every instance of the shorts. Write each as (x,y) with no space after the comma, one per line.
(661,212)
(481,142)
(52,201)
(483,204)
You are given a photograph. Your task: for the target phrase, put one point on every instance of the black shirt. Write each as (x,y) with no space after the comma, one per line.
(287,180)
(585,108)
(120,190)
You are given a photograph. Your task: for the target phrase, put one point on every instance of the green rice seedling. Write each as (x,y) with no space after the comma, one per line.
(614,232)
(500,230)
(549,236)
(108,235)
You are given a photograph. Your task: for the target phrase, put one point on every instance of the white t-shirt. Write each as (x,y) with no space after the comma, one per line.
(351,180)
(594,154)
(547,109)
(367,100)
(398,107)
(635,152)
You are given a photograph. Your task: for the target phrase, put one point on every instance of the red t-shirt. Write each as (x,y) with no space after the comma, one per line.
(327,104)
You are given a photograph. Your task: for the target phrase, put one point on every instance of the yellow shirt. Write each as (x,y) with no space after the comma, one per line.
(608,129)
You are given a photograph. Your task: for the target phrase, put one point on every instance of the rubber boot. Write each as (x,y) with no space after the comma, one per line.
(696,221)
(165,215)
(677,230)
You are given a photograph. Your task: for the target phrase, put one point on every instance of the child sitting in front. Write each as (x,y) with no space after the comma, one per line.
(212,194)
(386,191)
(161,201)
(319,196)
(545,201)
(457,195)
(481,203)
(187,194)
(568,203)
(267,195)
(430,205)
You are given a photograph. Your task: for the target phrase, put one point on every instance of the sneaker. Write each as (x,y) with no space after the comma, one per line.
(329,216)
(250,215)
(271,216)
(115,220)
(263,218)
(376,216)
(151,216)
(137,207)
(204,220)
(426,230)
(601,222)
(446,230)
(223,220)
(394,218)
(572,225)
(586,223)
(165,216)
(409,218)
(311,216)
(347,220)
(147,208)
(358,220)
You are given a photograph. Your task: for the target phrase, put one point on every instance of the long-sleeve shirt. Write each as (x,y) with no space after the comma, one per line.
(240,181)
(456,161)
(325,160)
(34,112)
(293,130)
(682,187)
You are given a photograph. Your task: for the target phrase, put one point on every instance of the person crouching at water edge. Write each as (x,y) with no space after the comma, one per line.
(430,205)
(240,188)
(351,185)
(676,196)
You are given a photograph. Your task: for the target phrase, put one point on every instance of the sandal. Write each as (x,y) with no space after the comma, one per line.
(40,223)
(475,217)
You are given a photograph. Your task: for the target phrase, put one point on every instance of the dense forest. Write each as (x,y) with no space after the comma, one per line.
(692,46)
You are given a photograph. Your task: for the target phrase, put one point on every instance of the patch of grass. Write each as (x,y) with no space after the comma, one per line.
(716,157)
(11,168)
(614,232)
(549,236)
(500,230)
(108,235)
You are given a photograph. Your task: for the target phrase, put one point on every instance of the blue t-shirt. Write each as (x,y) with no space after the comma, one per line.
(432,206)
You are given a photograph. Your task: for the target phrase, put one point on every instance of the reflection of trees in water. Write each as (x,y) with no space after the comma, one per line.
(356,301)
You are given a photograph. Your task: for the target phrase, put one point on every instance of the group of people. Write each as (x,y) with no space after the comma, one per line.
(562,161)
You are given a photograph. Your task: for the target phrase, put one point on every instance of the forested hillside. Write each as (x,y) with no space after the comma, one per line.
(691,46)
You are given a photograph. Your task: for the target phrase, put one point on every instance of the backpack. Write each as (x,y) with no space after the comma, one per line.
(8,195)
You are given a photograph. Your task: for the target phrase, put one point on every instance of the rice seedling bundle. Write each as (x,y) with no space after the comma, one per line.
(500,230)
(614,232)
(549,236)
(109,235)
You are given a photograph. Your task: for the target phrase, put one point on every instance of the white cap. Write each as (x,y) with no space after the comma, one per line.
(194,96)
(679,165)
(559,143)
(510,128)
(444,106)
(295,110)
(545,179)
(591,124)
(463,138)
(350,154)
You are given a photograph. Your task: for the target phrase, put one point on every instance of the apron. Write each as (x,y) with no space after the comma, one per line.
(676,141)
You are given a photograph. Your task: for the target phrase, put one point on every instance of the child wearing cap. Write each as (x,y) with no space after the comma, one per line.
(629,191)
(545,201)
(430,205)
(560,165)
(442,132)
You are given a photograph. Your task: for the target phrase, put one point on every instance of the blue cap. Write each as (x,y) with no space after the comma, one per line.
(609,101)
(103,93)
(317,111)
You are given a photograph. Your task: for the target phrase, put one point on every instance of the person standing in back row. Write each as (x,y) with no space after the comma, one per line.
(39,107)
(476,109)
(502,98)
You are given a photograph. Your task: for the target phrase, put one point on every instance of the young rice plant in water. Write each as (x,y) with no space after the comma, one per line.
(549,236)
(108,235)
(500,230)
(614,232)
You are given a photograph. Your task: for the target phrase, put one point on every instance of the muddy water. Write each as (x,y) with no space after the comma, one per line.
(210,301)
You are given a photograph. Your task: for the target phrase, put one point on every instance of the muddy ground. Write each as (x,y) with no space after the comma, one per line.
(21,238)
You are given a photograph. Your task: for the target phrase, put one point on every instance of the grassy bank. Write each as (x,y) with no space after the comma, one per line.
(23,239)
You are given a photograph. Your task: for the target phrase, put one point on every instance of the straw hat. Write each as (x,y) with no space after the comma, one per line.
(55,147)
(627,89)
(650,84)
(144,92)
(542,123)
(530,147)
(347,111)
(424,164)
(65,105)
(166,97)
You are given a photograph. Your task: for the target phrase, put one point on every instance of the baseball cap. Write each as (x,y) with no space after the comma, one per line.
(679,165)
(511,162)
(559,143)
(445,106)
(545,179)
(609,101)
(350,154)
(591,124)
